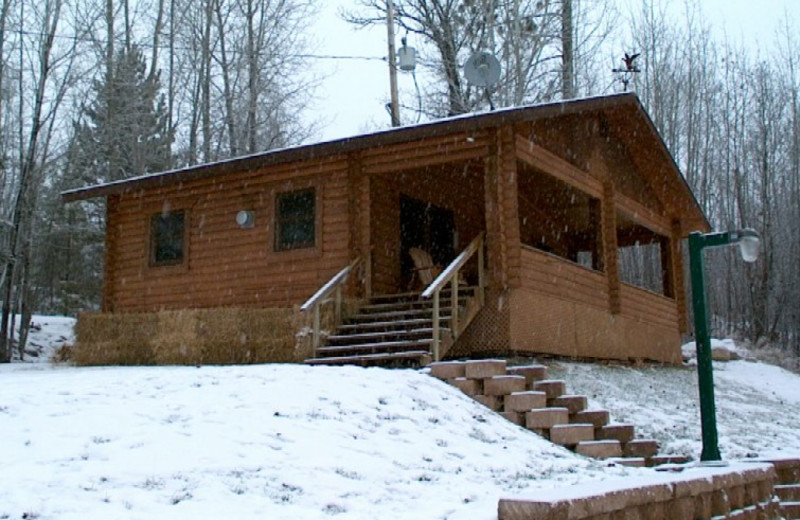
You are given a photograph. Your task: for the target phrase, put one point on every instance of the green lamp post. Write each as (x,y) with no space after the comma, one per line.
(748,241)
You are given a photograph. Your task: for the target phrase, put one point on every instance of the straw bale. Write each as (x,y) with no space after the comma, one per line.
(175,342)
(114,339)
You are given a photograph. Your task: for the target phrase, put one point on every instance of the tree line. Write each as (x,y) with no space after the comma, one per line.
(104,90)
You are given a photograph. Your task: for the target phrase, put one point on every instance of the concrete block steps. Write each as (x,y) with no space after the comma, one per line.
(526,396)
(787,488)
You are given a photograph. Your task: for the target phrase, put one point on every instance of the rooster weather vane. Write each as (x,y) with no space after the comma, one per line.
(626,73)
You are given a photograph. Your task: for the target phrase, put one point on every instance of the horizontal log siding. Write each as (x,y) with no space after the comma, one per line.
(647,306)
(226,265)
(547,274)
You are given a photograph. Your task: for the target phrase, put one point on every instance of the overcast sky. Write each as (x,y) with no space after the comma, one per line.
(353,92)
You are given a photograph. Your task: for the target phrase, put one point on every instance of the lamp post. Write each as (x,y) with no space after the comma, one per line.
(748,241)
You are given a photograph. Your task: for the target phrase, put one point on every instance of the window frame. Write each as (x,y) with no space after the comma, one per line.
(152,261)
(277,246)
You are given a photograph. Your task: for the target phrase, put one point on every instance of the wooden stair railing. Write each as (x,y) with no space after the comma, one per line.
(450,275)
(334,286)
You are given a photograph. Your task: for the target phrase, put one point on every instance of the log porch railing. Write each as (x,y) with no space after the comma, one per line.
(334,286)
(450,275)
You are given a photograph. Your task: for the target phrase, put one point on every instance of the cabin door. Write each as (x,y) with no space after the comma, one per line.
(428,227)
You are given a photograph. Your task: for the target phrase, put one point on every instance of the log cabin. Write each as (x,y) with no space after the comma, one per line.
(557,229)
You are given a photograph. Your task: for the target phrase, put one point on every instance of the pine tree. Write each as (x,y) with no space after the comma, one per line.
(125,131)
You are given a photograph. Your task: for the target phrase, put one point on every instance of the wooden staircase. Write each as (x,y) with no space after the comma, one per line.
(395,330)
(526,396)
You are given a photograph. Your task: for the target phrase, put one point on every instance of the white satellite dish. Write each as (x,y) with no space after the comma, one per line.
(482,69)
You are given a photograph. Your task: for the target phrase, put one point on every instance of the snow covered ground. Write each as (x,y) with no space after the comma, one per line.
(285,441)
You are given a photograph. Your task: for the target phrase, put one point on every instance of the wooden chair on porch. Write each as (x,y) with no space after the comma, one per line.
(425,271)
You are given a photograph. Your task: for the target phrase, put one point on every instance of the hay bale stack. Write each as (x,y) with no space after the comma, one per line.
(191,337)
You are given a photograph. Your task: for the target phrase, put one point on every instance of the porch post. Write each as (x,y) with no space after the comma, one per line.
(679,286)
(608,228)
(502,210)
(359,204)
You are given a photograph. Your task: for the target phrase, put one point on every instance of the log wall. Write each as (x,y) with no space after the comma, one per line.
(562,309)
(227,265)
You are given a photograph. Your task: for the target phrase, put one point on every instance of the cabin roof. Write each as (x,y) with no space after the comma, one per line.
(621,109)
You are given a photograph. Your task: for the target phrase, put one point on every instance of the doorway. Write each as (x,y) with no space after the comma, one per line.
(427,227)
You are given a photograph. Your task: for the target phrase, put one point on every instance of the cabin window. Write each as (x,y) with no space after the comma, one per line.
(559,219)
(167,238)
(295,220)
(644,257)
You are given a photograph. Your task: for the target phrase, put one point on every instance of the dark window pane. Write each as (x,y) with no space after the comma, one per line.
(167,238)
(296,220)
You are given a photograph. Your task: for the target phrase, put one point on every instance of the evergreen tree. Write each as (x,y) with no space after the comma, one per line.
(124,132)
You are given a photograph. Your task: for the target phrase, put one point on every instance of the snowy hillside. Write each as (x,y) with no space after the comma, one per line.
(282,441)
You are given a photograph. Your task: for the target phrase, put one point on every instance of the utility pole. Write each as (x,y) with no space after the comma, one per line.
(394,107)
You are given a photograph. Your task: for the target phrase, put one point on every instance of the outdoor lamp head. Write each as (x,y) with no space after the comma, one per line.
(749,244)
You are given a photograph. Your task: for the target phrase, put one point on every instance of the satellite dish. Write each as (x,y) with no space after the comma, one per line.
(482,69)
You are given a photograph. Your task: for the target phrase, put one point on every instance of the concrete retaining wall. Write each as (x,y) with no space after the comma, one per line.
(738,491)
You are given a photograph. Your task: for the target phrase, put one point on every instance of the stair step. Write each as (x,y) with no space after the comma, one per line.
(598,418)
(640,448)
(398,315)
(659,460)
(571,434)
(599,449)
(552,387)
(546,418)
(379,336)
(384,345)
(525,401)
(788,492)
(618,432)
(408,305)
(389,325)
(422,356)
(633,462)
(531,373)
(573,403)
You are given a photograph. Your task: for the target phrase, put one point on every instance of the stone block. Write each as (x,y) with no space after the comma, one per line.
(693,487)
(491,402)
(788,492)
(633,462)
(447,369)
(640,448)
(573,403)
(736,497)
(702,506)
(598,418)
(525,401)
(720,504)
(514,417)
(503,385)
(545,418)
(617,432)
(599,449)
(483,368)
(682,509)
(514,509)
(552,387)
(658,460)
(531,373)
(789,509)
(571,434)
(468,386)
(720,354)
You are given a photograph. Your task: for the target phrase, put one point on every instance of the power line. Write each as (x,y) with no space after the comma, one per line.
(88,39)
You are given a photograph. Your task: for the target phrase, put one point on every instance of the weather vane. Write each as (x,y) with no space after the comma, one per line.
(628,71)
